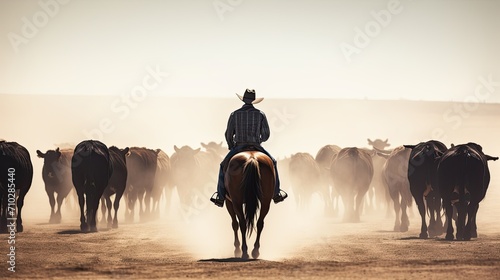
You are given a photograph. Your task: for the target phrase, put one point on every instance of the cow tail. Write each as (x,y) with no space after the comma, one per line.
(464,181)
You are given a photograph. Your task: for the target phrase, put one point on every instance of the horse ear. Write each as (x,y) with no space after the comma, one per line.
(176,149)
(57,150)
(126,152)
(220,144)
(386,139)
(40,154)
(409,146)
(197,150)
(370,142)
(204,145)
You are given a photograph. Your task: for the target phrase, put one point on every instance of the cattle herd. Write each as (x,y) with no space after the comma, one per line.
(439,179)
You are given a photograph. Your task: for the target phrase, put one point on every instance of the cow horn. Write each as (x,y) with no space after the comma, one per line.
(488,157)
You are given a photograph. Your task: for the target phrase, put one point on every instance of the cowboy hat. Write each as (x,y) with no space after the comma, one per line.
(249,97)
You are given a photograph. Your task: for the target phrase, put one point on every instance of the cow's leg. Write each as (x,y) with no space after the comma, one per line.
(432,215)
(20,203)
(52,203)
(449,214)
(419,200)
(116,205)
(83,223)
(58,217)
(108,206)
(405,221)
(471,221)
(3,212)
(103,209)
(462,212)
(395,199)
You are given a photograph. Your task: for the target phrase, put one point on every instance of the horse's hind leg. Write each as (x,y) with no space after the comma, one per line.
(243,229)
(260,226)
(234,224)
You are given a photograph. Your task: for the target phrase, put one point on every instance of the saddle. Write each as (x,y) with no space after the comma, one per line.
(247,148)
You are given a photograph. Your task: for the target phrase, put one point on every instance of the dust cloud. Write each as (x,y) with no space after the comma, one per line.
(297,125)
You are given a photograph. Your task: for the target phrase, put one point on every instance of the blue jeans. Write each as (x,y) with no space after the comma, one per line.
(220,184)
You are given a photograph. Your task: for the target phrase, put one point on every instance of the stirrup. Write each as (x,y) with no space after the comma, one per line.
(280,197)
(217,200)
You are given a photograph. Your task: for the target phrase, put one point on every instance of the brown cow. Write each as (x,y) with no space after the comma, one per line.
(352,172)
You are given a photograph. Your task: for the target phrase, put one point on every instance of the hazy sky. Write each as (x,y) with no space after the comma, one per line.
(430,50)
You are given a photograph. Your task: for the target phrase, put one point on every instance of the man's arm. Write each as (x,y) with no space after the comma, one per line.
(230,131)
(264,128)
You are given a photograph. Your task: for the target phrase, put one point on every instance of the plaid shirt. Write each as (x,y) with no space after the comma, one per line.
(247,125)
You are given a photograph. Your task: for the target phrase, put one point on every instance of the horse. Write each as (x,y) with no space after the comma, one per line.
(249,181)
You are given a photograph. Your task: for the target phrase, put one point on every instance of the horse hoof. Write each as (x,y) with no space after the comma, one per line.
(84,227)
(255,254)
(423,235)
(245,256)
(20,228)
(449,236)
(93,229)
(237,253)
(403,229)
(115,225)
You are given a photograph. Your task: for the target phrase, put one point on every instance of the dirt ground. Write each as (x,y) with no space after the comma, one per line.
(305,246)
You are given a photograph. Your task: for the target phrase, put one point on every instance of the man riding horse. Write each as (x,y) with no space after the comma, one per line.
(246,129)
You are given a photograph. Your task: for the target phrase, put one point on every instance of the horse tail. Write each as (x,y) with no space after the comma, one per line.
(251,185)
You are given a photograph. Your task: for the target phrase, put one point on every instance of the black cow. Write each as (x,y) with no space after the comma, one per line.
(116,185)
(56,174)
(91,169)
(463,178)
(16,170)
(422,174)
(141,167)
(352,173)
